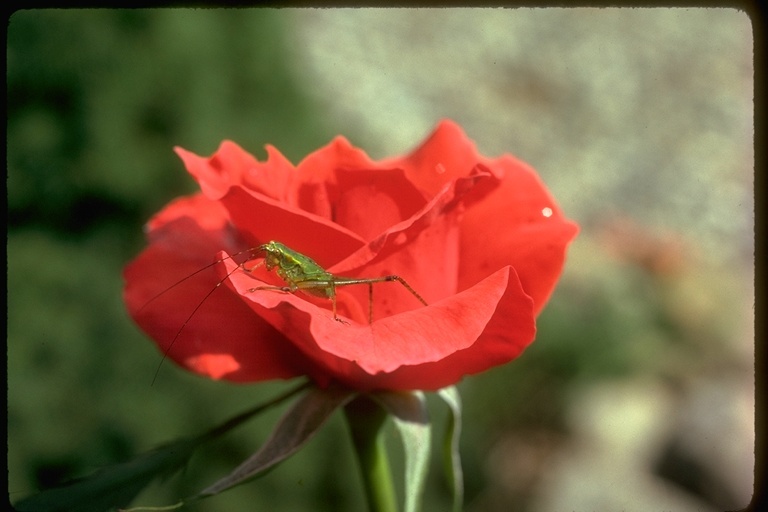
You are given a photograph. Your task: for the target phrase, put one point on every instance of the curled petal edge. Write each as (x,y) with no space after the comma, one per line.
(416,337)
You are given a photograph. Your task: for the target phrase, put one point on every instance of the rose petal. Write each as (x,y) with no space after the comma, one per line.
(422,249)
(508,332)
(320,166)
(443,204)
(446,155)
(231,166)
(517,224)
(374,200)
(315,190)
(423,335)
(179,225)
(262,219)
(160,300)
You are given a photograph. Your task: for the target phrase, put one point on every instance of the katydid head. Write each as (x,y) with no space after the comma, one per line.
(273,254)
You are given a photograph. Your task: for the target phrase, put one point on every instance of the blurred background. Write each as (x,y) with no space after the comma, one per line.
(639,391)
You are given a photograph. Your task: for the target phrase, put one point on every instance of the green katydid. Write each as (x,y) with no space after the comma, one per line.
(299,272)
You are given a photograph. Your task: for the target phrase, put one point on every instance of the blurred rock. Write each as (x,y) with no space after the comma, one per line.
(639,446)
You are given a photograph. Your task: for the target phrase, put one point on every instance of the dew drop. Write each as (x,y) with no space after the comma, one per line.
(547,212)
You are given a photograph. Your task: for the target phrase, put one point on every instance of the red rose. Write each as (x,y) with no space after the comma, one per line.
(481,239)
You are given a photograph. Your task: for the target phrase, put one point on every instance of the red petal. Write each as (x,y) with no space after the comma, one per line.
(446,155)
(342,184)
(231,166)
(222,336)
(517,224)
(443,204)
(422,249)
(180,222)
(422,336)
(262,219)
(321,165)
(506,334)
(371,201)
(315,188)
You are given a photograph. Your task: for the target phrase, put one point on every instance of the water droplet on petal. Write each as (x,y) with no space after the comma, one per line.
(547,212)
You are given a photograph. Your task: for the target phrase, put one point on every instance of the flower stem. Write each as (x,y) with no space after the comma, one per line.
(366,421)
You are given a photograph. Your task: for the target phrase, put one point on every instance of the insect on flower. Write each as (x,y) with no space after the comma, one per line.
(299,272)
(302,273)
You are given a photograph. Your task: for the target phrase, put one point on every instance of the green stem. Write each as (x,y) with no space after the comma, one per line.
(366,421)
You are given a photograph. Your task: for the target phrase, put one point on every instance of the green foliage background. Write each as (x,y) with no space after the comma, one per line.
(96,101)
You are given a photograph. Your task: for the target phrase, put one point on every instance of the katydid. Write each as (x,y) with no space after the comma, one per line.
(302,273)
(299,272)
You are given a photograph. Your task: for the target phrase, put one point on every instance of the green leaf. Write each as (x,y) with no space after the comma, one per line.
(452,457)
(411,418)
(297,426)
(115,486)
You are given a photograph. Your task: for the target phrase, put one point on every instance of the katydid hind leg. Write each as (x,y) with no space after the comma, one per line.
(333,304)
(370,303)
(370,281)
